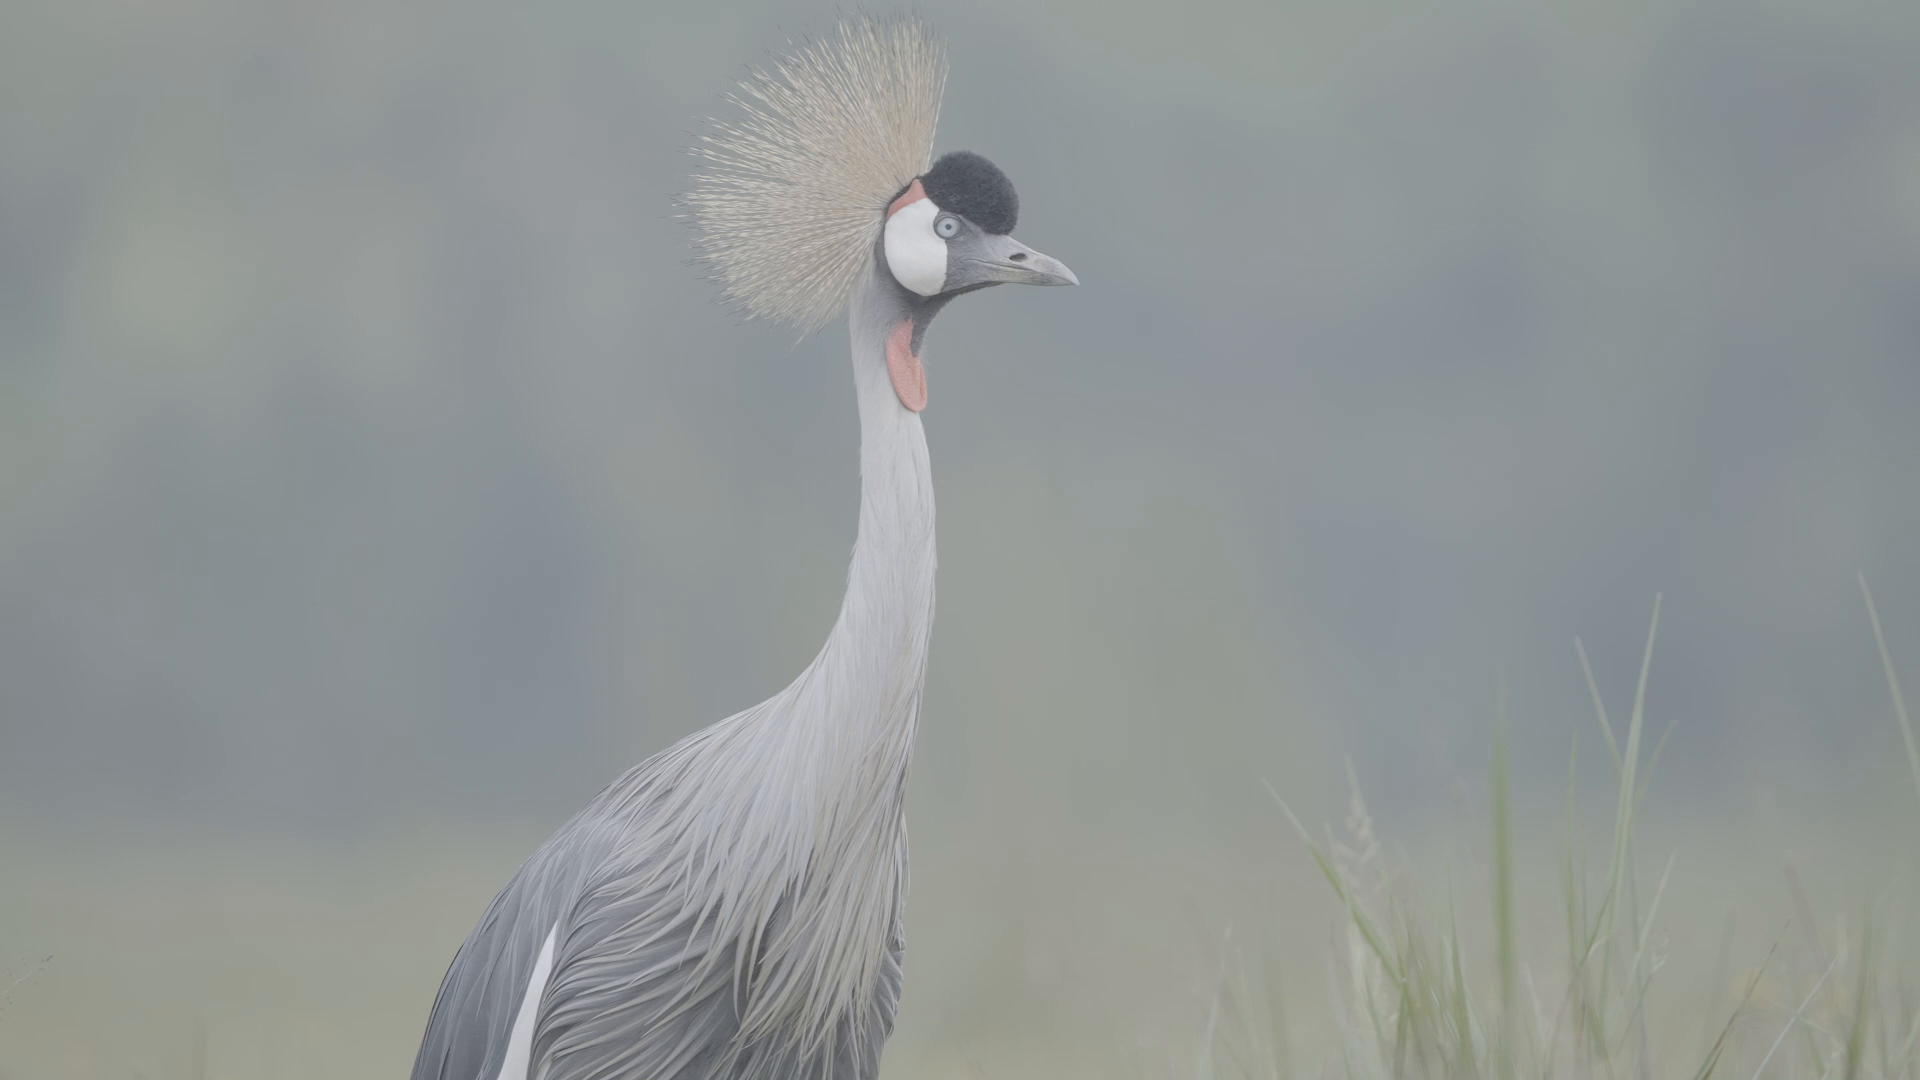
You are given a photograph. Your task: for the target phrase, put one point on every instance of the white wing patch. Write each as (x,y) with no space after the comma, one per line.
(916,256)
(520,1042)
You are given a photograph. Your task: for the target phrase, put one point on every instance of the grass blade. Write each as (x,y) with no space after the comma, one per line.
(1893,685)
(1792,1022)
(1334,878)
(1503,913)
(1720,1045)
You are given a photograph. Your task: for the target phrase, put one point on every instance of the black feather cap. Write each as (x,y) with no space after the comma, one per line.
(975,188)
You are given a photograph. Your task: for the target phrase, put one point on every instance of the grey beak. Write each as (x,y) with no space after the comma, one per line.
(998,260)
(1038,269)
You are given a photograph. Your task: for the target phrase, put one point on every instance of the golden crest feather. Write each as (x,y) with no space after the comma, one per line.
(791,198)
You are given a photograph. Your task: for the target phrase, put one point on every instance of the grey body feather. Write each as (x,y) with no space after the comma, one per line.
(642,986)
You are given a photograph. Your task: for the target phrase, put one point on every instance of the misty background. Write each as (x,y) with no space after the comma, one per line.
(378,480)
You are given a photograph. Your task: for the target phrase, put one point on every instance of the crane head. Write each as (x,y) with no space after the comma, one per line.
(829,168)
(950,231)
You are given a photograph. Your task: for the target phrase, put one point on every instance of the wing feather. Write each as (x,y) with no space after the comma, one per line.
(472,1019)
(641,983)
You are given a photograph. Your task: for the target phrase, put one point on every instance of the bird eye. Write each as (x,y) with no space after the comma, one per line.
(947,226)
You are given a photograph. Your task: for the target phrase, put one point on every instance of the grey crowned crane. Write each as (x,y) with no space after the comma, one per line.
(731,907)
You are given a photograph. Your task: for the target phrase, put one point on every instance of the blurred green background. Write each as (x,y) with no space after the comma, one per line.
(377,481)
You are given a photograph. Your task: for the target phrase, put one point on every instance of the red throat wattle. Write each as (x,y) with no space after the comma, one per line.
(903,367)
(913,194)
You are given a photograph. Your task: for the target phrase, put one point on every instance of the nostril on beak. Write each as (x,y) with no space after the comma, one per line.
(1018,256)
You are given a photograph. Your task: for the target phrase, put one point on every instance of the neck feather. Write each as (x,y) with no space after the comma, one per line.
(862,695)
(888,610)
(831,751)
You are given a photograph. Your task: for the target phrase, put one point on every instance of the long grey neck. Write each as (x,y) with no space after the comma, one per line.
(874,662)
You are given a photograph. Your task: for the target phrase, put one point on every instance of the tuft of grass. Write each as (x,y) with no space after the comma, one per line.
(1411,1003)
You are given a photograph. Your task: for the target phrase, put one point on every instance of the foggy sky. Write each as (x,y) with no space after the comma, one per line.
(370,453)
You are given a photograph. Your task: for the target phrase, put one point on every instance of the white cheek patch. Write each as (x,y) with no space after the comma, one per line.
(916,256)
